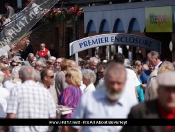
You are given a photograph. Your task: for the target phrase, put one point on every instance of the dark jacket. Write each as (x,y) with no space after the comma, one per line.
(26,51)
(146,110)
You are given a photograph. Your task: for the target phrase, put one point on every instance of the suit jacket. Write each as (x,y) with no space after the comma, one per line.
(60,83)
(26,51)
(52,92)
(146,110)
(151,89)
(10,12)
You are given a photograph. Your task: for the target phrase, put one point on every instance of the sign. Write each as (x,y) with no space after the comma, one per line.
(116,39)
(159,19)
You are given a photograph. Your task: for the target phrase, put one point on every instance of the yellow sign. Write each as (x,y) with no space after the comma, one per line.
(159,19)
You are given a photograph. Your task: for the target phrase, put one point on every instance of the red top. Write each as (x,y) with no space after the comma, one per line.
(5,72)
(42,53)
(166,114)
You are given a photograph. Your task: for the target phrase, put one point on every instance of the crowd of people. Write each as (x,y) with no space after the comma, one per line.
(37,85)
(10,15)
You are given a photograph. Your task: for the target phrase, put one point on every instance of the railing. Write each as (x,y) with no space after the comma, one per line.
(23,21)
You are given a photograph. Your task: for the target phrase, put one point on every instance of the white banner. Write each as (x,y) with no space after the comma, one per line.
(116,39)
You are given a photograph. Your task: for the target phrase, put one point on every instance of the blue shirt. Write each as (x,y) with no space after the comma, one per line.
(144,76)
(95,105)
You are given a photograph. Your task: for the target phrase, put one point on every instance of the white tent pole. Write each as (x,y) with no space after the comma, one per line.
(76,57)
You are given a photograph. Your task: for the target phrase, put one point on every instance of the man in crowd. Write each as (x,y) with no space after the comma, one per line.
(29,100)
(144,76)
(106,101)
(10,10)
(27,49)
(155,59)
(47,81)
(31,58)
(93,64)
(161,108)
(57,66)
(100,73)
(43,52)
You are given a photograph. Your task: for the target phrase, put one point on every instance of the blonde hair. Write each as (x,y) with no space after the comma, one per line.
(65,63)
(166,66)
(76,76)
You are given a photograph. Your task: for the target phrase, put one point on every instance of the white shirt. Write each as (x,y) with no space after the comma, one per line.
(89,88)
(131,82)
(157,66)
(82,87)
(95,105)
(6,21)
(4,95)
(9,85)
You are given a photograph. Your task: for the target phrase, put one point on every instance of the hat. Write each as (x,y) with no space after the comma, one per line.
(166,79)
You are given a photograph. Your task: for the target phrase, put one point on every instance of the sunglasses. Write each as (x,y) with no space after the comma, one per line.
(51,76)
(67,75)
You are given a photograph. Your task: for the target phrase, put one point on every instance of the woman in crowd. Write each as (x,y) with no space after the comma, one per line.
(14,80)
(89,79)
(151,90)
(139,90)
(72,93)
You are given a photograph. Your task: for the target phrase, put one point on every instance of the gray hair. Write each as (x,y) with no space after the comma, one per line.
(94,59)
(1,77)
(41,63)
(154,54)
(27,72)
(101,65)
(30,55)
(37,76)
(89,75)
(15,72)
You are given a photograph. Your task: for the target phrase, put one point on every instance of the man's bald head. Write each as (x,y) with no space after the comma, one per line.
(115,69)
(26,73)
(115,78)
